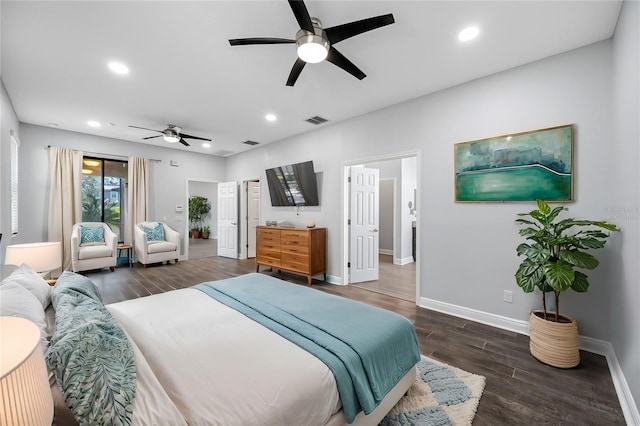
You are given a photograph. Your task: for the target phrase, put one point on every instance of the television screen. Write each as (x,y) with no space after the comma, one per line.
(293,185)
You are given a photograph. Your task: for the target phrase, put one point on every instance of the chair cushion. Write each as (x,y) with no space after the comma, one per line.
(93,252)
(155,233)
(90,235)
(160,247)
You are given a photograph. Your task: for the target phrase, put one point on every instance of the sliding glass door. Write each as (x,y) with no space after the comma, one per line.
(104,185)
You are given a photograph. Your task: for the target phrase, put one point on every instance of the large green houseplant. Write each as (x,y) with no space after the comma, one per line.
(553,256)
(199,207)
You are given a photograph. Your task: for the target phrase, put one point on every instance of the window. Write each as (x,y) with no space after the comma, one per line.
(104,183)
(15,144)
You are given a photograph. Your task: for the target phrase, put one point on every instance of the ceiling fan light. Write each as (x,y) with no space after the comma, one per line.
(171,138)
(312,48)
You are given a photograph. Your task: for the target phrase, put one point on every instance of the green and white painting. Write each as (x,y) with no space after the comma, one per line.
(520,167)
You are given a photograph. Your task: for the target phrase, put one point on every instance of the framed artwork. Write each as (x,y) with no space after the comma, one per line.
(518,167)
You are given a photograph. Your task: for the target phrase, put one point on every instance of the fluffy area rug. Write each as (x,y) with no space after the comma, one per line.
(442,395)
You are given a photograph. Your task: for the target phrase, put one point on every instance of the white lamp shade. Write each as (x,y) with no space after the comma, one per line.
(25,395)
(41,257)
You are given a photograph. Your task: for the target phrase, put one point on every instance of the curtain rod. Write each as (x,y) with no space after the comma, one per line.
(112,156)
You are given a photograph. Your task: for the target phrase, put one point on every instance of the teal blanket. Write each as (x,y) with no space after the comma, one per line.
(368,349)
(90,355)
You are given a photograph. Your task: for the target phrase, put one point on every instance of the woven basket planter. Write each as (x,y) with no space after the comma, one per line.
(554,343)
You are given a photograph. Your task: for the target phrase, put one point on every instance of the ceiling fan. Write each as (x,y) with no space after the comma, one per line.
(315,44)
(172,134)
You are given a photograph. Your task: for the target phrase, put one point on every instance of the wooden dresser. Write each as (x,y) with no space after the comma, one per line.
(299,250)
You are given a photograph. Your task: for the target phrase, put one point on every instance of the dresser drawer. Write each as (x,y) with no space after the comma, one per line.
(295,247)
(292,265)
(295,234)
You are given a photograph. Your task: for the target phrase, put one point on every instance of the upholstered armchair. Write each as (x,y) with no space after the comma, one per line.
(156,242)
(93,246)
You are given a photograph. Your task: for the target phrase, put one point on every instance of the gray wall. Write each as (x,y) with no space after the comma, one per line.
(622,282)
(387,194)
(168,185)
(469,256)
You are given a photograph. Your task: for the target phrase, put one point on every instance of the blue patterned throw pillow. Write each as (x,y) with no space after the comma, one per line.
(90,235)
(155,233)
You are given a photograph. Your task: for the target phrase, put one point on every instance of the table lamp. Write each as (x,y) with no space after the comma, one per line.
(25,395)
(42,257)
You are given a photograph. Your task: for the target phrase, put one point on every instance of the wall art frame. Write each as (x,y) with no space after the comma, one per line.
(517,167)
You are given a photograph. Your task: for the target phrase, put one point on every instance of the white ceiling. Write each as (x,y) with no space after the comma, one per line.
(184,72)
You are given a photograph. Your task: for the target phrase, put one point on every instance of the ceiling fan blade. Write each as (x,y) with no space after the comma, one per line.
(339,60)
(151,137)
(295,71)
(301,14)
(183,142)
(345,31)
(184,135)
(259,40)
(145,128)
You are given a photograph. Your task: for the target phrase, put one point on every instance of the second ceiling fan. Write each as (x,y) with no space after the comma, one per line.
(315,44)
(172,134)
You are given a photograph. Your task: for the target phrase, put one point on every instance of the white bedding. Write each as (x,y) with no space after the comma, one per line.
(219,367)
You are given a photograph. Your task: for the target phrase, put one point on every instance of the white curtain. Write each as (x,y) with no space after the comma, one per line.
(138,197)
(65,197)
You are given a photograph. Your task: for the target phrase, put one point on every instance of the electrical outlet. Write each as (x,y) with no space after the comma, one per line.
(508,296)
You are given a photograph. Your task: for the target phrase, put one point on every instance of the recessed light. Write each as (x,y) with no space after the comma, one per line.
(118,68)
(468,34)
(87,171)
(270,117)
(206,145)
(91,163)
(93,123)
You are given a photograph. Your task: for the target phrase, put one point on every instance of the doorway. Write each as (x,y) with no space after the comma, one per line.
(398,270)
(250,217)
(197,248)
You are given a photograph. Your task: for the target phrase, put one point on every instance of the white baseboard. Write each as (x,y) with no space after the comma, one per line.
(627,403)
(403,261)
(589,344)
(487,318)
(386,251)
(333,279)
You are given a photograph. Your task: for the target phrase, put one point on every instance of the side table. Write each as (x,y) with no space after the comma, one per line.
(128,258)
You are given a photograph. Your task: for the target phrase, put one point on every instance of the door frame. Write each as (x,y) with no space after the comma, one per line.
(346,167)
(242,254)
(185,210)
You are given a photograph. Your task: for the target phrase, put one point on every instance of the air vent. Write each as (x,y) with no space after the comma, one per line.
(316,120)
(250,142)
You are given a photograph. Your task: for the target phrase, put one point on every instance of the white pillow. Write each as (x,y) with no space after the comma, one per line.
(29,279)
(17,301)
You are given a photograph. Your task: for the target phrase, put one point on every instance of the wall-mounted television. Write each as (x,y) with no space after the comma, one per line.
(293,185)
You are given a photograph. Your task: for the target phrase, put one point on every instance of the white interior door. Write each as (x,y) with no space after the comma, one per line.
(228,219)
(253,216)
(365,239)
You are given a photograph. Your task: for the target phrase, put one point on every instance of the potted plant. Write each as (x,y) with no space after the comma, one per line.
(199,207)
(205,232)
(556,248)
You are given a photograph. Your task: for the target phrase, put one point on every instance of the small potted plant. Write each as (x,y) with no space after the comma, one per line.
(205,232)
(554,251)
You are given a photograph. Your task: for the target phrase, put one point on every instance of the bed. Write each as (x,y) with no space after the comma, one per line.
(249,350)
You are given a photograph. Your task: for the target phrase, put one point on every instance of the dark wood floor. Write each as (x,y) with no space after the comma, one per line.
(519,389)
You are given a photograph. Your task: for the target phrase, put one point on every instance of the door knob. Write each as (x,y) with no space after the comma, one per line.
(233,223)
(375,230)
